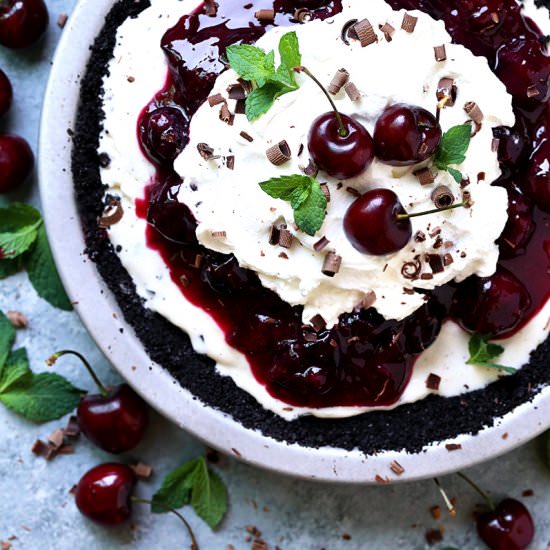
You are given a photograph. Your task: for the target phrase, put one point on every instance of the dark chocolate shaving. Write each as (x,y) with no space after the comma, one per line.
(326,191)
(442,197)
(216,99)
(446,93)
(352,91)
(236,91)
(318,323)
(411,270)
(321,244)
(303,15)
(332,264)
(211,8)
(226,115)
(440,53)
(348,31)
(409,23)
(388,31)
(206,152)
(265,15)
(425,176)
(230,162)
(474,112)
(338,81)
(436,263)
(279,154)
(433,381)
(246,136)
(286,238)
(365,33)
(112,214)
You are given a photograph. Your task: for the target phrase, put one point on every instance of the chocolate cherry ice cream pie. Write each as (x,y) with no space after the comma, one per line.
(328,219)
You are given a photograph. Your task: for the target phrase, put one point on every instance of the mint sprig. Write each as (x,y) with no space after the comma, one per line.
(193,483)
(258,67)
(452,149)
(37,397)
(482,353)
(305,196)
(23,243)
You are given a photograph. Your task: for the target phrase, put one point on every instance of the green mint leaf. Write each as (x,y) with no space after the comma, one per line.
(10,267)
(492,365)
(7,338)
(289,51)
(209,495)
(457,174)
(47,396)
(43,274)
(18,229)
(453,147)
(284,186)
(260,100)
(299,196)
(15,371)
(482,353)
(175,490)
(251,63)
(309,217)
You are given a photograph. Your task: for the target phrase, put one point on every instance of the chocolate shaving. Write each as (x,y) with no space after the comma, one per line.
(246,136)
(142,471)
(353,191)
(436,263)
(72,429)
(236,91)
(318,323)
(474,112)
(365,33)
(240,107)
(230,162)
(321,244)
(352,91)
(279,154)
(425,176)
(275,234)
(57,438)
(396,468)
(311,169)
(442,197)
(286,238)
(533,91)
(348,31)
(448,260)
(112,214)
(388,31)
(211,8)
(426,276)
(17,319)
(409,23)
(219,234)
(382,480)
(326,191)
(338,81)
(216,99)
(453,446)
(62,19)
(303,15)
(44,450)
(226,115)
(420,236)
(206,152)
(411,270)
(446,92)
(440,53)
(265,15)
(332,264)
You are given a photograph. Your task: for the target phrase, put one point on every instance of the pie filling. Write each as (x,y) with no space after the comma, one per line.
(361,360)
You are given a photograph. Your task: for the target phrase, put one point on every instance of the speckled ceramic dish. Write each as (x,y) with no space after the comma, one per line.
(104,319)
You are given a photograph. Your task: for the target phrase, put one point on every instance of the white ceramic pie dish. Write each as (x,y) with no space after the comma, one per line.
(103,318)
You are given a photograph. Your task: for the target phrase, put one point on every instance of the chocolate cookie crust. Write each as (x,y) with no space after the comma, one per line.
(408,427)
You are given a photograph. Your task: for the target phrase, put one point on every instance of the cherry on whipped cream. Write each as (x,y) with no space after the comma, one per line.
(22,22)
(16,162)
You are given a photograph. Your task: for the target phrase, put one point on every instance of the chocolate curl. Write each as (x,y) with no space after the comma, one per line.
(318,323)
(440,53)
(206,152)
(411,270)
(326,191)
(365,33)
(219,234)
(286,238)
(332,264)
(425,176)
(409,23)
(388,31)
(112,214)
(474,112)
(321,244)
(348,30)
(303,15)
(279,154)
(265,16)
(226,115)
(216,99)
(246,136)
(442,197)
(338,81)
(353,92)
(446,93)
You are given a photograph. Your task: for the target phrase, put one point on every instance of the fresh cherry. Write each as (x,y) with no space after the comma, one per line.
(164,133)
(16,162)
(103,494)
(372,225)
(337,143)
(494,305)
(405,135)
(508,527)
(6,93)
(537,182)
(115,419)
(22,22)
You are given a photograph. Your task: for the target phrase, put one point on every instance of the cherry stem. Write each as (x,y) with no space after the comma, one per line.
(478,489)
(53,359)
(194,544)
(434,211)
(450,506)
(342,129)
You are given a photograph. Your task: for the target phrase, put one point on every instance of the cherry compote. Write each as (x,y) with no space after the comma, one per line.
(364,359)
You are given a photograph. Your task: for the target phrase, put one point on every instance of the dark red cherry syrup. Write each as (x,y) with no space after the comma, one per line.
(364,360)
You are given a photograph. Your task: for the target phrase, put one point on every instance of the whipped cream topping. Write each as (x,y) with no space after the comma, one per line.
(129,173)
(401,71)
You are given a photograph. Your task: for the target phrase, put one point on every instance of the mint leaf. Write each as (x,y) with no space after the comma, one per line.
(209,496)
(251,63)
(309,217)
(47,396)
(43,274)
(16,370)
(7,338)
(10,267)
(260,100)
(18,229)
(284,186)
(175,490)
(482,353)
(299,196)
(457,174)
(453,146)
(289,51)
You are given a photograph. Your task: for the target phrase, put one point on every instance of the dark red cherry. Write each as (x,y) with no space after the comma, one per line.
(164,133)
(372,226)
(16,162)
(103,493)
(536,184)
(405,135)
(494,305)
(523,66)
(115,422)
(341,157)
(508,527)
(224,275)
(6,93)
(22,22)
(519,227)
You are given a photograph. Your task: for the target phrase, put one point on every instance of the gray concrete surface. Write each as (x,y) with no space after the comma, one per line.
(35,505)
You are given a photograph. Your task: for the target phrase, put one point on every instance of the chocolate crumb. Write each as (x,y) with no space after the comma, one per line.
(240,107)
(131,79)
(433,536)
(265,15)
(283,256)
(321,244)
(448,260)
(246,136)
(453,447)
(409,23)
(216,99)
(206,152)
(365,33)
(42,449)
(142,471)
(72,429)
(338,81)
(420,236)
(326,191)
(226,115)
(528,493)
(433,381)
(104,160)
(396,468)
(346,536)
(332,264)
(425,176)
(352,91)
(318,323)
(436,512)
(259,545)
(279,154)
(62,19)
(286,238)
(236,91)
(230,162)
(440,53)
(382,480)
(388,31)
(112,214)
(17,319)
